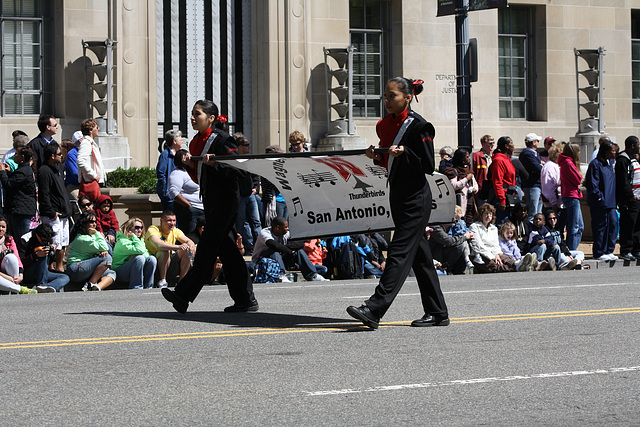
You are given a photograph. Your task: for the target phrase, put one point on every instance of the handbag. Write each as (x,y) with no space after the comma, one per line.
(89,189)
(512,196)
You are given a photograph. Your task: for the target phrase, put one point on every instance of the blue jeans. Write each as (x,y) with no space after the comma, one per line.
(138,271)
(534,201)
(248,221)
(371,270)
(300,257)
(574,222)
(19,225)
(40,275)
(545,253)
(186,217)
(81,271)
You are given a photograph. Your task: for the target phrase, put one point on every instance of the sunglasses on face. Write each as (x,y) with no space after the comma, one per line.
(92,221)
(296,143)
(85,205)
(138,227)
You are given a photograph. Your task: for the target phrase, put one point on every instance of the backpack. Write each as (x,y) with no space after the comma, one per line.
(268,271)
(347,263)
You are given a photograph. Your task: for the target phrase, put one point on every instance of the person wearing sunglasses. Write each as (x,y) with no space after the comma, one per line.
(89,258)
(48,126)
(54,205)
(131,260)
(297,142)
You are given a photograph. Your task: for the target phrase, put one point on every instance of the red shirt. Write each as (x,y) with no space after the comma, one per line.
(195,148)
(387,129)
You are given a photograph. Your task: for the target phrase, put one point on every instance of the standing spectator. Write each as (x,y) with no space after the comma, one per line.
(482,161)
(446,154)
(131,260)
(53,199)
(19,193)
(571,178)
(172,143)
(89,258)
(248,222)
(550,180)
(485,246)
(19,141)
(601,197)
(71,167)
(36,254)
(9,154)
(219,183)
(184,192)
(503,176)
(297,142)
(48,126)
(628,198)
(533,164)
(90,166)
(463,181)
(595,151)
(548,142)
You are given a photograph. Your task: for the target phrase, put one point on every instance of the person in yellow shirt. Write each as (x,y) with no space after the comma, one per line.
(163,241)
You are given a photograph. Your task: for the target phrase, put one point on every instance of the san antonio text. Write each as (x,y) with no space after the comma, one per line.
(348,214)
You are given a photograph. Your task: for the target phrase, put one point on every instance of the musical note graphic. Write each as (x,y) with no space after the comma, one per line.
(296,202)
(316,178)
(440,182)
(378,171)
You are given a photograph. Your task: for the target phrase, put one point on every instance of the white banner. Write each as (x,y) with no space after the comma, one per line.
(340,195)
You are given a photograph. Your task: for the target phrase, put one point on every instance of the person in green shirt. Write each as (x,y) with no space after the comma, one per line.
(89,258)
(131,259)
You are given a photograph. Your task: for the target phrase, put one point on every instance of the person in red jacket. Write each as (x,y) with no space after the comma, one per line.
(106,218)
(482,160)
(503,174)
(316,250)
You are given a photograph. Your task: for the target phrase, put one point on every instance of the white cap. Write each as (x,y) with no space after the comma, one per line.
(77,136)
(532,137)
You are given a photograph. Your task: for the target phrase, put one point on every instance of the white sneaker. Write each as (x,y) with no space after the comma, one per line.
(94,287)
(85,288)
(604,257)
(162,283)
(44,289)
(319,278)
(284,279)
(612,257)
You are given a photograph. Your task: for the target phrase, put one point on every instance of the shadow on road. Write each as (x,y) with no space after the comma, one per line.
(241,320)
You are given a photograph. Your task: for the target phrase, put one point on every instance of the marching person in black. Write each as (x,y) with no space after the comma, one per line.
(219,190)
(409,138)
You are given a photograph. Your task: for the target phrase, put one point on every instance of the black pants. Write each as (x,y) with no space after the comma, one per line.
(629,227)
(218,240)
(409,248)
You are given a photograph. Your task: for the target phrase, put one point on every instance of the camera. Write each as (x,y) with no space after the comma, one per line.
(43,248)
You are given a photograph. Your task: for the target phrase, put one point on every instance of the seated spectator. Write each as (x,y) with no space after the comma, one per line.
(89,258)
(523,226)
(346,268)
(131,260)
(107,219)
(163,241)
(273,243)
(85,204)
(485,247)
(542,244)
(459,228)
(37,253)
(568,256)
(375,262)
(510,248)
(185,193)
(11,266)
(316,250)
(451,250)
(441,270)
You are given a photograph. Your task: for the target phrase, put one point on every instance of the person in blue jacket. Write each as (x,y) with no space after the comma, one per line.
(601,197)
(531,186)
(166,165)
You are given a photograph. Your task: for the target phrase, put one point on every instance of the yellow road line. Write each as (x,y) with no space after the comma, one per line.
(315,328)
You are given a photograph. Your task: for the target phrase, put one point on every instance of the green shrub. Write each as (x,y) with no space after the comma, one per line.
(143,178)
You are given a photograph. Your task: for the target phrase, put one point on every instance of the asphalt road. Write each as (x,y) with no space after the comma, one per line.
(538,348)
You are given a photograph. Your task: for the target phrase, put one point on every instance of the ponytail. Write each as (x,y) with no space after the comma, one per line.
(408,86)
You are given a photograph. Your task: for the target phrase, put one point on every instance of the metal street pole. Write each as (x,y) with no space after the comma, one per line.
(463,71)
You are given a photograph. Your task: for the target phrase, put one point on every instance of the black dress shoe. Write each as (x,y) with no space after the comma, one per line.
(364,315)
(429,320)
(242,308)
(179,304)
(628,257)
(636,254)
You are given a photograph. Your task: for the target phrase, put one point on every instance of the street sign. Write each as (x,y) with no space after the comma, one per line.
(448,7)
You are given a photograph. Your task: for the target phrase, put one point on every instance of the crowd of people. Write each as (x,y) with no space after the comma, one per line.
(523,213)
(513,214)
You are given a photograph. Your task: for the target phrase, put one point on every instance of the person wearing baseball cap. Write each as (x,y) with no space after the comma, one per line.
(531,186)
(544,155)
(71,167)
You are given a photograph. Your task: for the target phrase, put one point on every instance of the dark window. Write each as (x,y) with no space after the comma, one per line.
(635,63)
